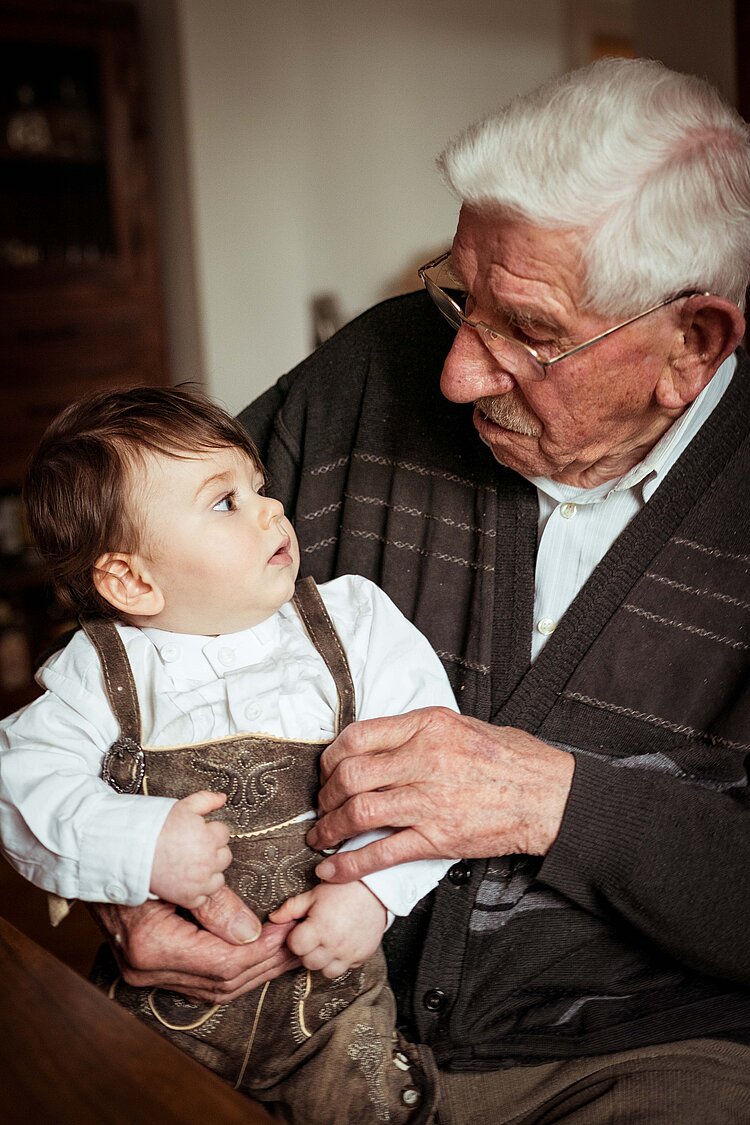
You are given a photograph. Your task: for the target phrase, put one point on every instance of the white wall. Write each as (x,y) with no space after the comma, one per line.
(169,148)
(294,146)
(311,134)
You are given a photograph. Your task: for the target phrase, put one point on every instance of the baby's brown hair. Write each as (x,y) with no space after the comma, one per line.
(77,490)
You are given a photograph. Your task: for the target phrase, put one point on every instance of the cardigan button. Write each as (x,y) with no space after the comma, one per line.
(411,1096)
(434,999)
(460,873)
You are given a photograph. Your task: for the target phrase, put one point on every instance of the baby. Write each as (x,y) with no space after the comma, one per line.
(177,741)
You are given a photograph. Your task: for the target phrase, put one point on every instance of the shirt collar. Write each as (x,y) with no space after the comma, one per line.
(652,470)
(186,656)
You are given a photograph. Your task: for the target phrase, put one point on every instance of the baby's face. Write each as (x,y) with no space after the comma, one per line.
(224,556)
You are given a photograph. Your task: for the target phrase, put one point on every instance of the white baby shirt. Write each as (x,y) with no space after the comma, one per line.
(67,831)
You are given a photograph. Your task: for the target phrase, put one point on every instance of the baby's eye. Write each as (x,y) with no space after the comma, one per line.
(227,503)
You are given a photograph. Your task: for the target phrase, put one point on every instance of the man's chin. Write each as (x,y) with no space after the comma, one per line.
(518,452)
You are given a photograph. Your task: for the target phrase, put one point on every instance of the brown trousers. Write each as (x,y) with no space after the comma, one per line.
(697,1082)
(318,1052)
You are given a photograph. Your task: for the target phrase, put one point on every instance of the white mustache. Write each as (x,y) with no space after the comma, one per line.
(508,412)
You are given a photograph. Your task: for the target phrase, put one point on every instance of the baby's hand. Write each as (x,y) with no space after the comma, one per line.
(191,853)
(343,924)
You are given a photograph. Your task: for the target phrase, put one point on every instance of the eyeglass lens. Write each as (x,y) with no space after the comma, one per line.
(506,352)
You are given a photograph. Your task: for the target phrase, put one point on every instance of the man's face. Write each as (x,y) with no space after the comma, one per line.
(224,556)
(594,415)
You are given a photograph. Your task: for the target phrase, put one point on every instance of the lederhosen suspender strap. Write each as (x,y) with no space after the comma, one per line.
(123,765)
(314,615)
(118,676)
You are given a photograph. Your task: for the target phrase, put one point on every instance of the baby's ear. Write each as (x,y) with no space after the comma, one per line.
(124,581)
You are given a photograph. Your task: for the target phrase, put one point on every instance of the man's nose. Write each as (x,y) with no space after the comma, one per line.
(470,371)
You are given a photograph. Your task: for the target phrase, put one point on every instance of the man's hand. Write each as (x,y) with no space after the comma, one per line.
(453,785)
(341,926)
(156,947)
(191,852)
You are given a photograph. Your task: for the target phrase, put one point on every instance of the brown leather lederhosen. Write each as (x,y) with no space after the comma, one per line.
(319,1051)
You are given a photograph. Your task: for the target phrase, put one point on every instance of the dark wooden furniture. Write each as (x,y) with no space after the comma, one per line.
(75,941)
(742,55)
(80,301)
(69,1055)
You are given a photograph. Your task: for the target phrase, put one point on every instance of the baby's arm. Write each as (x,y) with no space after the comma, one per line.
(341,926)
(62,827)
(191,852)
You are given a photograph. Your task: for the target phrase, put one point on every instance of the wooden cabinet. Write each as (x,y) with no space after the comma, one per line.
(80,301)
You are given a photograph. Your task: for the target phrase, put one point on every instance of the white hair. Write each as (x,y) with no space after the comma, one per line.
(653,166)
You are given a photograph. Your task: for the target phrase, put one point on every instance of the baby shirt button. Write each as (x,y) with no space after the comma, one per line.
(170,653)
(227,657)
(253,710)
(115,893)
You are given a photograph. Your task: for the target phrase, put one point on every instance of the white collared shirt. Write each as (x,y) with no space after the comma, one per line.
(66,831)
(577,526)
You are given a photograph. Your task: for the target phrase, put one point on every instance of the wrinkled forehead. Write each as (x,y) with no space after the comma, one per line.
(500,257)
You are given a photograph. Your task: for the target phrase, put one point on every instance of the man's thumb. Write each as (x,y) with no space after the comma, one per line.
(225,914)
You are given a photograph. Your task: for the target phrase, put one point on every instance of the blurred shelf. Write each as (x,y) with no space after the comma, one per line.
(80,289)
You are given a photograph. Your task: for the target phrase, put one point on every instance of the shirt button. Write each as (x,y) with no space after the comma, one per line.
(567,511)
(253,710)
(546,626)
(170,653)
(434,999)
(460,873)
(227,657)
(115,893)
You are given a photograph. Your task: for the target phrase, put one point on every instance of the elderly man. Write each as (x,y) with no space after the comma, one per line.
(583,572)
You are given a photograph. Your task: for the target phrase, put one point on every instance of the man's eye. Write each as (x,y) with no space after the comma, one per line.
(227,503)
(528,338)
(535,340)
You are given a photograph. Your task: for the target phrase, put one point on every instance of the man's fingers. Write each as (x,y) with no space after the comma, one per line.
(366,774)
(225,915)
(156,947)
(209,989)
(400,847)
(370,736)
(391,808)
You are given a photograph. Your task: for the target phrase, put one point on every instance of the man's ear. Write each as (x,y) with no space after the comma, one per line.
(711,328)
(125,582)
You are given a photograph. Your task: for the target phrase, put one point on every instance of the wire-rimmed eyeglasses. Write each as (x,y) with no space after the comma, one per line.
(515,356)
